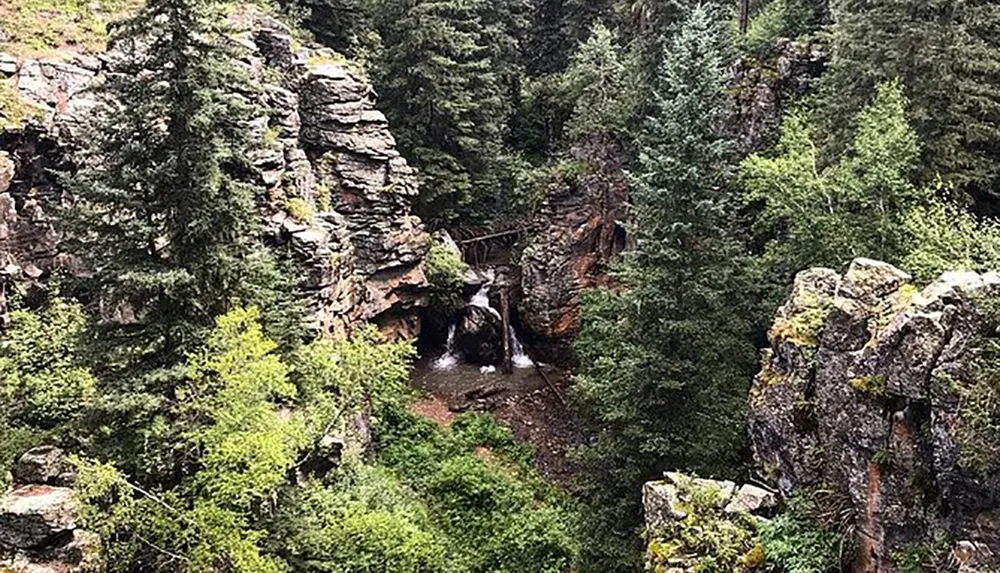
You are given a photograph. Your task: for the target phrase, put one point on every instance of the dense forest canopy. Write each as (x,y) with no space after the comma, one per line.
(199,408)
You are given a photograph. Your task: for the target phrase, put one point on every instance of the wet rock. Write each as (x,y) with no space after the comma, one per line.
(865,389)
(479,336)
(577,232)
(44,465)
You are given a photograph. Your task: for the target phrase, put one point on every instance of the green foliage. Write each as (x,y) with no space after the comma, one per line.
(947,237)
(766,27)
(163,217)
(14,112)
(365,522)
(232,385)
(299,209)
(161,532)
(43,383)
(665,361)
(873,385)
(795,542)
(440,68)
(58,28)
(598,79)
(825,216)
(445,272)
(947,56)
(924,557)
(484,495)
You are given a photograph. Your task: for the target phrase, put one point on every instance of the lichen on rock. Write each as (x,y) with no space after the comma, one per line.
(881,408)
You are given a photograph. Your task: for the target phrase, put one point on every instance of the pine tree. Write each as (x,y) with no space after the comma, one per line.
(598,79)
(163,219)
(442,92)
(665,360)
(343,25)
(946,54)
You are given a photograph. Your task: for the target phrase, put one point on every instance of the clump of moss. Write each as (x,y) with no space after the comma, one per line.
(299,209)
(874,385)
(802,328)
(707,538)
(445,272)
(14,112)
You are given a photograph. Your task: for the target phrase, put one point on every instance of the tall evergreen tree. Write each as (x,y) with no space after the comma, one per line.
(665,361)
(598,78)
(163,219)
(442,92)
(947,55)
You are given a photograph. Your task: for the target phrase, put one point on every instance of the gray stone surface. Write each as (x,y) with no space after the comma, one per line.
(338,193)
(861,392)
(44,465)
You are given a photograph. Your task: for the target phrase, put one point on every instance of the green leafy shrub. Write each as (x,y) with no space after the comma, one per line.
(445,273)
(365,522)
(42,382)
(299,209)
(796,542)
(947,237)
(499,515)
(766,27)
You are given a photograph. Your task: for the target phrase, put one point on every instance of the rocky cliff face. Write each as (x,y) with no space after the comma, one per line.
(764,89)
(571,241)
(880,391)
(337,197)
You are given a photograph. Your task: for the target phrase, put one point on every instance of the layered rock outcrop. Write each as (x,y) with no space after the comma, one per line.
(338,194)
(886,395)
(39,520)
(576,233)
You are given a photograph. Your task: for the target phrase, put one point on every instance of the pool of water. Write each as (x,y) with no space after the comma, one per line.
(460,377)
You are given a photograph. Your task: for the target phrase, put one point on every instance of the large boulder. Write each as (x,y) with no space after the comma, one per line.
(479,335)
(682,512)
(45,465)
(39,519)
(576,233)
(874,389)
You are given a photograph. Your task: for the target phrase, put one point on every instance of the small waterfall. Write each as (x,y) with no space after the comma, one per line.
(449,359)
(482,296)
(519,358)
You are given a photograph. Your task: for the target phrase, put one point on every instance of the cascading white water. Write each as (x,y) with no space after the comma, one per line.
(449,359)
(519,358)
